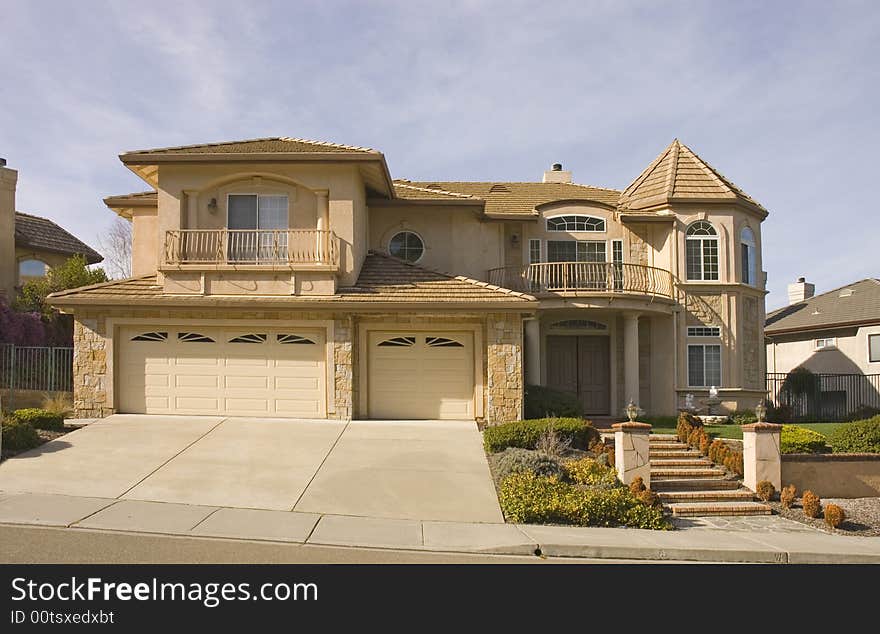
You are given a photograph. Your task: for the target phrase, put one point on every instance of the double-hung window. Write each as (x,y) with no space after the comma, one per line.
(748,248)
(701,252)
(704,364)
(874,348)
(257,228)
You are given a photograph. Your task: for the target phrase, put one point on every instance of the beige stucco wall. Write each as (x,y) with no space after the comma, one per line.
(850,355)
(499,356)
(8,267)
(145,244)
(834,475)
(455,239)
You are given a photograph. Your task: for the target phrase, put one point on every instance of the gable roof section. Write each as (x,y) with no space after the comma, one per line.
(123,204)
(41,234)
(506,199)
(829,310)
(267,145)
(679,175)
(383,280)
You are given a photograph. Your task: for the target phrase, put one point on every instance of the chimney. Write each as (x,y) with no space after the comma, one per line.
(557,175)
(8,272)
(800,290)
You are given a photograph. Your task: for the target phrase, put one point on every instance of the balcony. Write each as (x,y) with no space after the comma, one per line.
(290,249)
(585,277)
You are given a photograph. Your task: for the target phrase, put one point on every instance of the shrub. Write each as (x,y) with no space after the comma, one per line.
(649,498)
(714,448)
(787,495)
(525,433)
(765,490)
(637,486)
(705,443)
(19,436)
(860,437)
(527,498)
(542,402)
(685,425)
(744,417)
(796,439)
(812,504)
(516,460)
(553,443)
(834,515)
(863,412)
(58,403)
(590,472)
(779,413)
(694,437)
(39,418)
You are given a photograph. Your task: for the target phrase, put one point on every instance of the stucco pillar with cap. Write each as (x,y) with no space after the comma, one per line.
(762,456)
(323,223)
(632,445)
(631,357)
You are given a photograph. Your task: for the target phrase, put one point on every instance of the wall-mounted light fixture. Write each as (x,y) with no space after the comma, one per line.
(212,206)
(514,239)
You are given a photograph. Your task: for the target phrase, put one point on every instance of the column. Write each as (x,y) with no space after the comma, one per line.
(323,225)
(533,352)
(631,357)
(762,458)
(632,444)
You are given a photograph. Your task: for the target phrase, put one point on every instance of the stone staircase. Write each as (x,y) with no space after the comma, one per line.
(689,485)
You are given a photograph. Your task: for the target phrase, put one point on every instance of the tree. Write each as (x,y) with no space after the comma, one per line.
(116,247)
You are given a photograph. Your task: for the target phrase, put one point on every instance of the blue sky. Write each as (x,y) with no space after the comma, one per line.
(782,97)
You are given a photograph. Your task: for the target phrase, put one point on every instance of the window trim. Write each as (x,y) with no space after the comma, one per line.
(870,337)
(416,234)
(749,256)
(258,195)
(702,239)
(603,221)
(534,242)
(720,364)
(691,331)
(825,345)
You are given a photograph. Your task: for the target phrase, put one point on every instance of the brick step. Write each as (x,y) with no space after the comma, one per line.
(698,509)
(667,446)
(674,453)
(680,462)
(686,472)
(719,495)
(693,484)
(663,438)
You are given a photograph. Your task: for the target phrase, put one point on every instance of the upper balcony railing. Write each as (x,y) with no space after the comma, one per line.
(234,247)
(602,277)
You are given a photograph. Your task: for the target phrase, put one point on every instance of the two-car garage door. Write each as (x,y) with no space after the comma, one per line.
(194,370)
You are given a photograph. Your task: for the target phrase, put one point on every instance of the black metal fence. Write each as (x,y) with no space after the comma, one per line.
(824,397)
(29,369)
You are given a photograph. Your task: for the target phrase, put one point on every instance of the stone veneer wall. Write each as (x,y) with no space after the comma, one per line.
(503,382)
(504,389)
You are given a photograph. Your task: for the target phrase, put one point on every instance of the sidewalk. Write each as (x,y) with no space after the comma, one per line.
(774,541)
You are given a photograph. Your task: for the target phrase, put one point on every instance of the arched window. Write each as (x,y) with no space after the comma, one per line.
(407,245)
(575,223)
(701,252)
(31,269)
(748,248)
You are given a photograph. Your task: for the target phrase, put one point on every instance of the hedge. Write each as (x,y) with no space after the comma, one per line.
(859,437)
(794,439)
(39,418)
(542,402)
(19,436)
(525,433)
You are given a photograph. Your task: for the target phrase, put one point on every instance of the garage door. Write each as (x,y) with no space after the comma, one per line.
(421,375)
(174,370)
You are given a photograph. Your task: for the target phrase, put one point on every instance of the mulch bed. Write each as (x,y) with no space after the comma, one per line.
(862,516)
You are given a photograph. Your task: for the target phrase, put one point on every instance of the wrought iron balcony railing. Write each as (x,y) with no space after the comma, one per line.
(603,277)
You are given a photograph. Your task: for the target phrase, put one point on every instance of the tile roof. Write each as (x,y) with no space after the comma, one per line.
(679,175)
(41,234)
(383,280)
(834,308)
(260,146)
(147,197)
(503,198)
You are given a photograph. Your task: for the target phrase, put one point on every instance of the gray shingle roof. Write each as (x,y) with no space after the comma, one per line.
(41,234)
(851,304)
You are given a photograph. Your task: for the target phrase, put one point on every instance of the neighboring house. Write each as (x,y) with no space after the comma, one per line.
(29,245)
(837,332)
(292,278)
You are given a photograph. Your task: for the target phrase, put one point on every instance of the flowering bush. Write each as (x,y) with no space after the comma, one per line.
(21,328)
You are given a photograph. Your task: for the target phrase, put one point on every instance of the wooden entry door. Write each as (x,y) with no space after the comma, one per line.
(581,365)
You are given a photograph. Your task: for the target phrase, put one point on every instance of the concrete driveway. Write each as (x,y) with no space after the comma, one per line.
(425,470)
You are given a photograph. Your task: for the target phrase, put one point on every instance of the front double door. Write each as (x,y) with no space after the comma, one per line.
(581,365)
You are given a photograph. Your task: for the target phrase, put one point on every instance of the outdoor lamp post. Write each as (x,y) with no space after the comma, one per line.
(632,411)
(760,411)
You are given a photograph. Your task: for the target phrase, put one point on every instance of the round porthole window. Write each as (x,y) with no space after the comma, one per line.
(406,245)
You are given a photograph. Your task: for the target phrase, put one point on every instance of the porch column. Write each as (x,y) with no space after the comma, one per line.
(631,357)
(323,225)
(533,352)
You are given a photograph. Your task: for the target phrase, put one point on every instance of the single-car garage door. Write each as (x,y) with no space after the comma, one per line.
(415,375)
(194,370)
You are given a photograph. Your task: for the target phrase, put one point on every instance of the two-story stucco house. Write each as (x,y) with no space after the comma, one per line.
(292,278)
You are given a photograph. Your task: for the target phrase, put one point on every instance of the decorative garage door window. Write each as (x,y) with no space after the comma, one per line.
(290,338)
(399,341)
(151,336)
(249,338)
(580,324)
(442,342)
(193,337)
